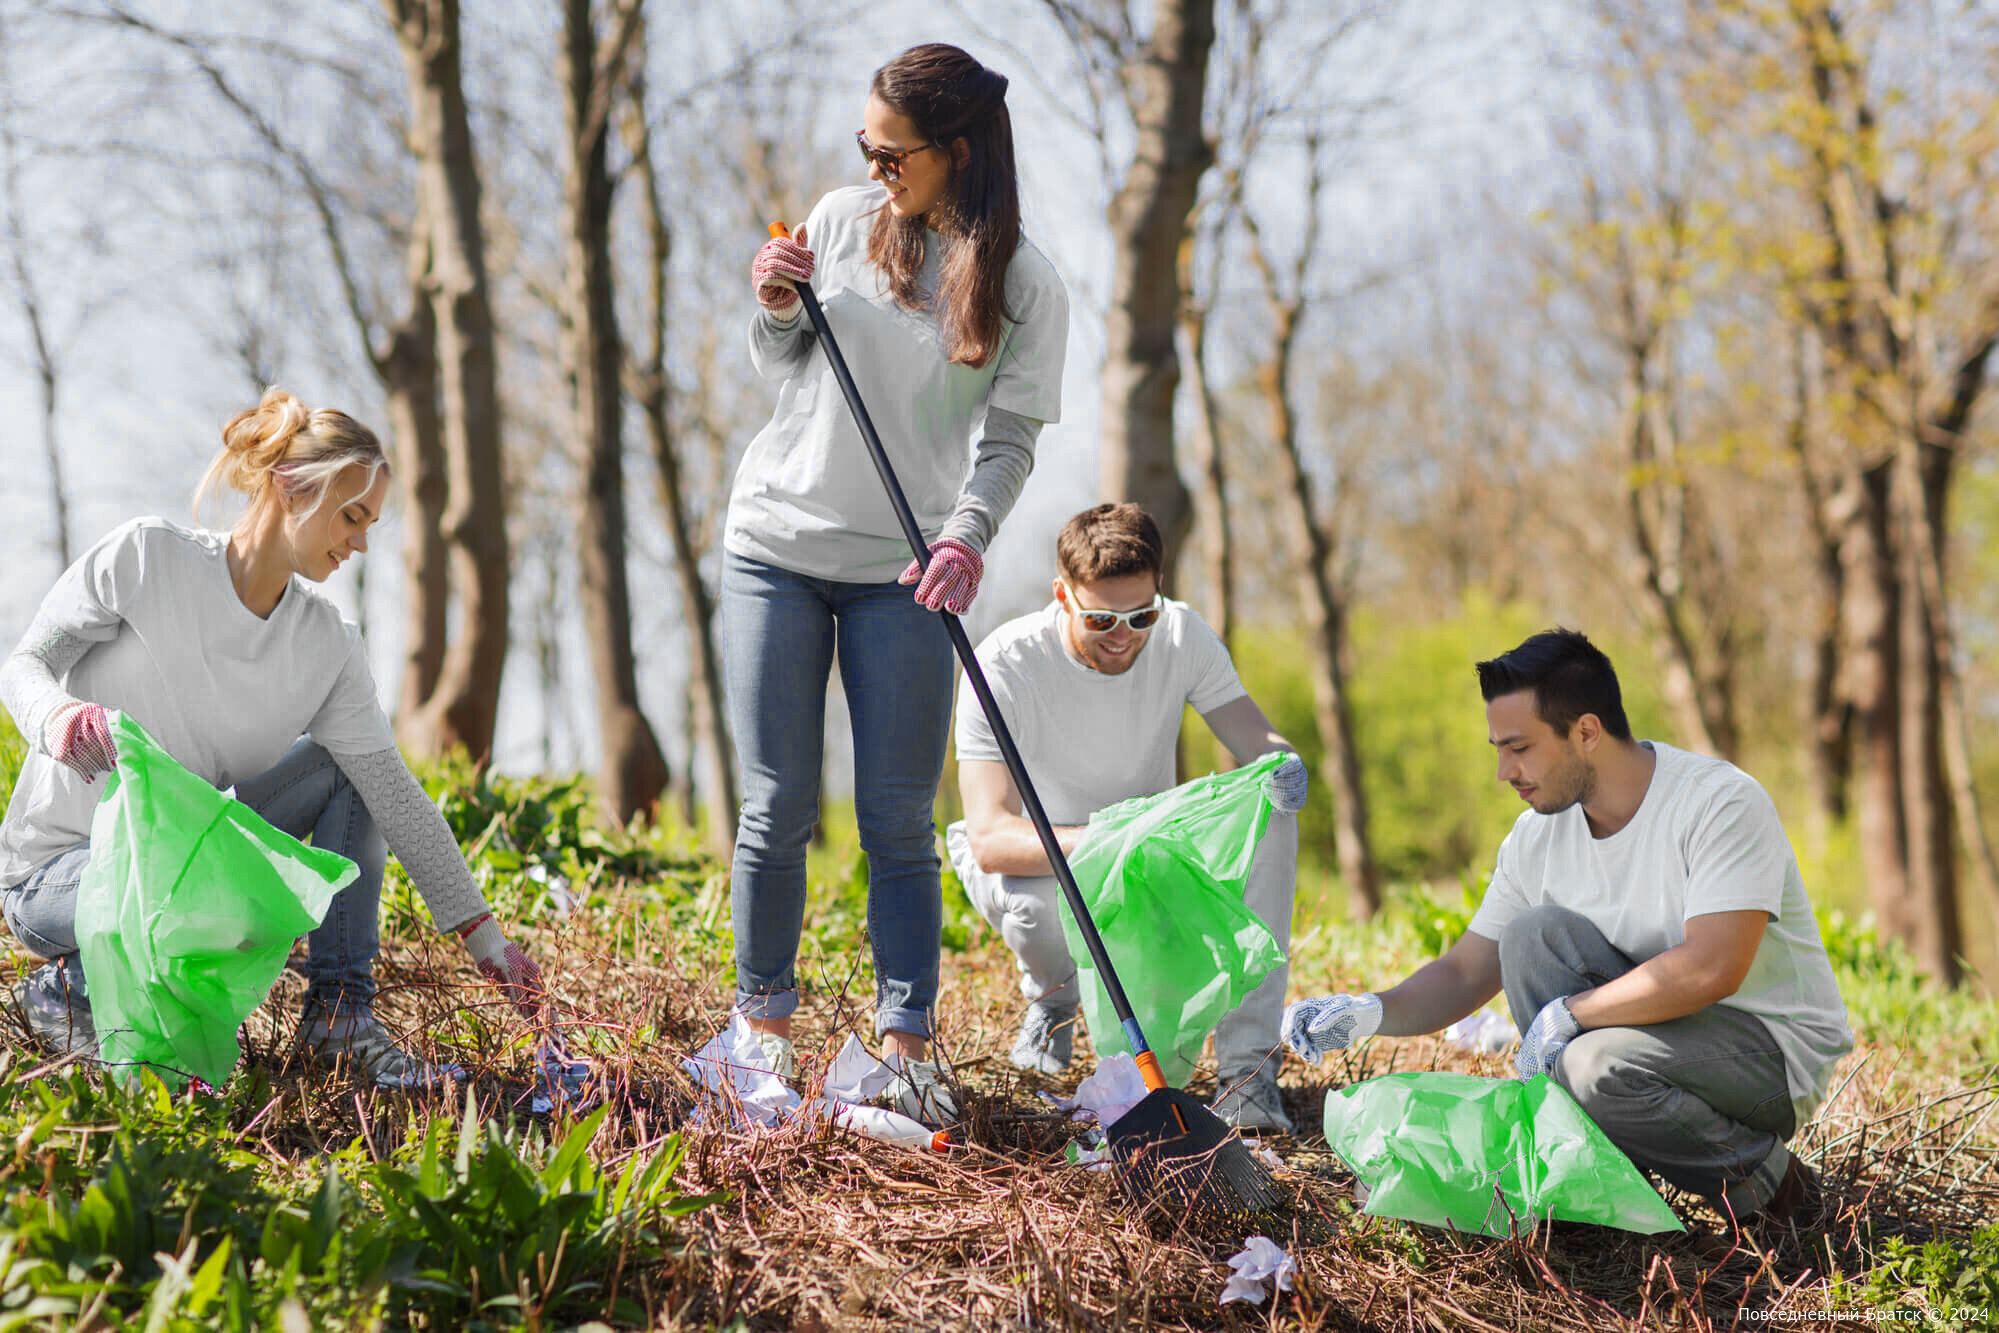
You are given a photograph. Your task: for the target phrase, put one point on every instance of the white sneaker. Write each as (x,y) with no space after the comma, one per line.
(780,1053)
(919,1092)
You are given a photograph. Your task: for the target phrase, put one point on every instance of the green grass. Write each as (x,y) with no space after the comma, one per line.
(13,750)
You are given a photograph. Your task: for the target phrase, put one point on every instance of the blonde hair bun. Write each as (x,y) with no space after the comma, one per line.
(282,451)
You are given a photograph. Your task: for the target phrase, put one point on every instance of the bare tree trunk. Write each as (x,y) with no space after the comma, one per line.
(1829,716)
(408,367)
(1922,479)
(1872,651)
(708,723)
(633,772)
(463,706)
(1326,627)
(1148,219)
(31,310)
(45,374)
(1211,510)
(1659,583)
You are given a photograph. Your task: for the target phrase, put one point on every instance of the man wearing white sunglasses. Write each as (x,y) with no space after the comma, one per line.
(1093,687)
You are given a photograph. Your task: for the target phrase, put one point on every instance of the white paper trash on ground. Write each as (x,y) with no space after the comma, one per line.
(733,1065)
(1260,1266)
(1486,1032)
(1113,1089)
(856,1076)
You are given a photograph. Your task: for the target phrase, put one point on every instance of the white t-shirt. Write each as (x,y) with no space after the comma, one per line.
(1089,739)
(1706,839)
(806,497)
(174,647)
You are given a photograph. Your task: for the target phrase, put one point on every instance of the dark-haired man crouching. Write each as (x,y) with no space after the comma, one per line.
(1649,926)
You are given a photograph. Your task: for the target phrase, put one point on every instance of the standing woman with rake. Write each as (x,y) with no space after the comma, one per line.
(955,327)
(216,645)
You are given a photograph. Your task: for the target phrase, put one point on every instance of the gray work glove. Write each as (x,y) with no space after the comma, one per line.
(1286,786)
(1546,1037)
(1317,1027)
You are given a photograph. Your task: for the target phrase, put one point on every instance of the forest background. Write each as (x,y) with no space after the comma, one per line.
(1421,327)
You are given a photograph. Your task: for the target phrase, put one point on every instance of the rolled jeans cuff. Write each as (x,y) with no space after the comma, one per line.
(781,1003)
(915,1022)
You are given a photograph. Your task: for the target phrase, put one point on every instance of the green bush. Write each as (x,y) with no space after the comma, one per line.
(1948,1280)
(145,1207)
(476,1230)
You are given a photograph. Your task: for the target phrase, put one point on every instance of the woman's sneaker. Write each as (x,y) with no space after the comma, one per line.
(781,1054)
(57,1011)
(356,1040)
(919,1092)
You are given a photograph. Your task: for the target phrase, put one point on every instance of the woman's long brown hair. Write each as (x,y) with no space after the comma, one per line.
(947,96)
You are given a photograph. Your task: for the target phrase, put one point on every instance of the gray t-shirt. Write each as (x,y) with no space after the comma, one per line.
(806,497)
(173,646)
(1706,839)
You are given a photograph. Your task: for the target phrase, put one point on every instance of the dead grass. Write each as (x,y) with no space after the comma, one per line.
(826,1233)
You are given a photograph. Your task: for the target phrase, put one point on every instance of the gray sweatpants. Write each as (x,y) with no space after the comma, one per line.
(1027,912)
(1701,1100)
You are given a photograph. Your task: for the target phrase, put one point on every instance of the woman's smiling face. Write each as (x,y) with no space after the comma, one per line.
(922,177)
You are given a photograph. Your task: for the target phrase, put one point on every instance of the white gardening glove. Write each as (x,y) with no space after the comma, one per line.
(1542,1044)
(1286,786)
(1315,1028)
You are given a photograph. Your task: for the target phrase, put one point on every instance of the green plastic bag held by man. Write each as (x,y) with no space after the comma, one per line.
(187,911)
(1163,878)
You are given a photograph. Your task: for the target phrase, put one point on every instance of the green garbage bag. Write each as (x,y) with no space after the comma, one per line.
(1486,1155)
(187,910)
(1163,878)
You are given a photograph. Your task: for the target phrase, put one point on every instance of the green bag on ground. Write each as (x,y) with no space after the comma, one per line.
(188,908)
(1486,1155)
(1163,878)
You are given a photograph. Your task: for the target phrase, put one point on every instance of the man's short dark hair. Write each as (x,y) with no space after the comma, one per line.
(1569,675)
(1109,541)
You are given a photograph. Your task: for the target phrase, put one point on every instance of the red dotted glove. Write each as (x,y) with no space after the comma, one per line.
(782,261)
(79,735)
(501,962)
(952,580)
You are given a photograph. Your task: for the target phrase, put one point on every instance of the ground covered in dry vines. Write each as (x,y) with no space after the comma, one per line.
(800,1227)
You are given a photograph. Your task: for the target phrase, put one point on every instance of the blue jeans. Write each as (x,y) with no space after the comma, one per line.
(304,792)
(780,634)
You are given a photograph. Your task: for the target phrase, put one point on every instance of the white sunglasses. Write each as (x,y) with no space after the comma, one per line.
(1098,621)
